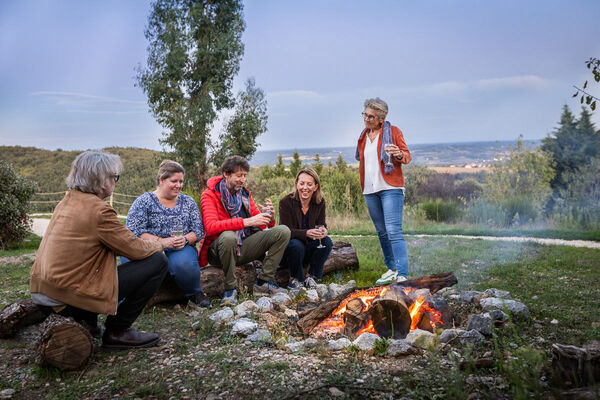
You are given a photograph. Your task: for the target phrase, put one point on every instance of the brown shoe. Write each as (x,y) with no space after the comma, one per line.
(128,339)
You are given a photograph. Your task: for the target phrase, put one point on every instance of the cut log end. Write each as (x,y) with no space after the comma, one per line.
(64,343)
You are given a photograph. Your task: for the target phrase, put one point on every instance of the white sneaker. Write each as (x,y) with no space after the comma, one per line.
(401,278)
(388,277)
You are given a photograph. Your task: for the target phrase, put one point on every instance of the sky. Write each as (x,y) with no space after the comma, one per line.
(450,71)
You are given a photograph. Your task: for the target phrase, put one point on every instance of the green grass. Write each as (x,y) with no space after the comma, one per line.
(556,283)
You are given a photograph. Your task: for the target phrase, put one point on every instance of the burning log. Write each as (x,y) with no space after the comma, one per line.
(342,256)
(390,311)
(355,318)
(64,343)
(18,316)
(433,282)
(390,315)
(318,314)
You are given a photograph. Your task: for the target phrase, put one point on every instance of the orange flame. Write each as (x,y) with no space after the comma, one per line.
(334,324)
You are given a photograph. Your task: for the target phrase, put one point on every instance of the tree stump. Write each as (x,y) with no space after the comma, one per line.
(342,256)
(575,366)
(18,316)
(64,343)
(354,317)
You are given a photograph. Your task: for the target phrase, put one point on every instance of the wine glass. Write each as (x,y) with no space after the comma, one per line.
(265,210)
(177,229)
(321,228)
(388,150)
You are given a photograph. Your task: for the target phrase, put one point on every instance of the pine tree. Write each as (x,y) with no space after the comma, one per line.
(318,166)
(296,164)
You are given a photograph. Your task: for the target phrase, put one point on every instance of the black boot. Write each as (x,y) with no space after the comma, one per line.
(200,300)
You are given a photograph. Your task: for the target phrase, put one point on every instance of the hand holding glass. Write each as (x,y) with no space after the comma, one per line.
(322,229)
(388,151)
(267,211)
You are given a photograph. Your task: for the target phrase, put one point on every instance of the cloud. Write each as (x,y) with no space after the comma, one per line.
(517,82)
(294,93)
(87,103)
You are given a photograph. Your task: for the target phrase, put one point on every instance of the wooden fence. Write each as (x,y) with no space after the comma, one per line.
(54,202)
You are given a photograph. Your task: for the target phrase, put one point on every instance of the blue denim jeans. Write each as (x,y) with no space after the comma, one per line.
(184,268)
(385,208)
(297,254)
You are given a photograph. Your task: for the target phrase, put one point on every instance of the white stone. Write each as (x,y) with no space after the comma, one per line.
(7,393)
(350,284)
(243,327)
(501,294)
(554,322)
(322,290)
(471,336)
(338,344)
(495,303)
(421,338)
(468,295)
(281,299)
(366,341)
(400,347)
(450,334)
(261,335)
(295,346)
(223,315)
(245,308)
(264,304)
(335,392)
(312,295)
(290,313)
(335,290)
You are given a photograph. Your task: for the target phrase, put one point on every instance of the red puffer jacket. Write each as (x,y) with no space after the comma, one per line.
(216,219)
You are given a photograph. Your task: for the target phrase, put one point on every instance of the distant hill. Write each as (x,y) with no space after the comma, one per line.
(437,154)
(50,169)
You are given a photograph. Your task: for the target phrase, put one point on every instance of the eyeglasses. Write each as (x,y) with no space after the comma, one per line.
(116,177)
(368,117)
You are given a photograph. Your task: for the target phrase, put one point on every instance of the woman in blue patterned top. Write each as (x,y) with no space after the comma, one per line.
(172,218)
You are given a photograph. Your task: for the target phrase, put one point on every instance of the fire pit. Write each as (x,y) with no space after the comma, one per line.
(390,311)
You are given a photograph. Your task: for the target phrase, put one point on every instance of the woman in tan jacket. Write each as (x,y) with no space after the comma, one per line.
(75,272)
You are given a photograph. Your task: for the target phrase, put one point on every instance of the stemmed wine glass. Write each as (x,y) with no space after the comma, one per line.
(321,228)
(388,150)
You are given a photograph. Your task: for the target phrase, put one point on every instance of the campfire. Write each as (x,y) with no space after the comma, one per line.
(388,311)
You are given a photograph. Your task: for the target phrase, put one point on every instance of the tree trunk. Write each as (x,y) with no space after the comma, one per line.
(64,343)
(18,316)
(390,316)
(576,366)
(342,256)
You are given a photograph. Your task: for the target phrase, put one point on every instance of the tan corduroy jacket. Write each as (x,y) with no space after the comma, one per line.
(75,263)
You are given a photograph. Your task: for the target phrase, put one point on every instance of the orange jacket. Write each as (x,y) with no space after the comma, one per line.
(396,178)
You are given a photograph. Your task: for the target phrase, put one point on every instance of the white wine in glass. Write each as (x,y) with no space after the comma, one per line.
(177,230)
(388,149)
(321,228)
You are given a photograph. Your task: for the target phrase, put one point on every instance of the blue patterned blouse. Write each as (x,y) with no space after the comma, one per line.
(147,214)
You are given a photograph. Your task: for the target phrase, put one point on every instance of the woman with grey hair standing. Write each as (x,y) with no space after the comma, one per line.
(75,272)
(381,151)
(173,219)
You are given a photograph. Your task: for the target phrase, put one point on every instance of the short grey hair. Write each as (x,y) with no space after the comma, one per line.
(166,169)
(91,170)
(379,106)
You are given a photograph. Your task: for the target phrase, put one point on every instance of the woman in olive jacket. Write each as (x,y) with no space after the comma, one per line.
(304,213)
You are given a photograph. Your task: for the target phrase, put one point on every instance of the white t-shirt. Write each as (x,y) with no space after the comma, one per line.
(374,182)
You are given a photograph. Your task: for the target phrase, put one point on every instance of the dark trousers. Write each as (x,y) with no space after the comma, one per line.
(138,281)
(297,253)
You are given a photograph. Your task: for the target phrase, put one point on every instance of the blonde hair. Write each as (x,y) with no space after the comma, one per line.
(379,106)
(168,168)
(317,195)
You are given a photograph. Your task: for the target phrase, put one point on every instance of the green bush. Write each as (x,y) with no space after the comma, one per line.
(15,193)
(482,211)
(441,211)
(415,176)
(342,192)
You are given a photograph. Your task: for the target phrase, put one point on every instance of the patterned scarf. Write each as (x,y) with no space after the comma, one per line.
(233,205)
(386,139)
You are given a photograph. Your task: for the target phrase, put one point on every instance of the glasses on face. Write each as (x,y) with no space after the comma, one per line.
(368,117)
(116,177)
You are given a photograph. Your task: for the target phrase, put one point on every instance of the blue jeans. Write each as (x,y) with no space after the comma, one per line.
(385,209)
(296,253)
(184,268)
